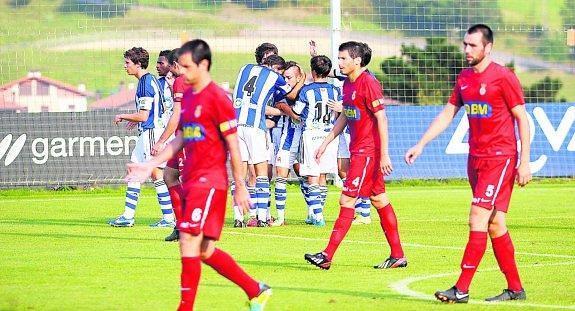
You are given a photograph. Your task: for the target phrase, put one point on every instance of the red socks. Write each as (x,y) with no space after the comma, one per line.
(225,265)
(505,255)
(471,258)
(176,196)
(339,231)
(190,278)
(388,223)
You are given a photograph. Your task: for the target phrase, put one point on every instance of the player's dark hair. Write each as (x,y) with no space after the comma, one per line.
(165,53)
(321,65)
(290,64)
(484,30)
(263,49)
(275,60)
(357,49)
(173,56)
(199,49)
(138,55)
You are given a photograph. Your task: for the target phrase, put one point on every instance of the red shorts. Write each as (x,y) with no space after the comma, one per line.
(364,177)
(491,181)
(177,162)
(204,211)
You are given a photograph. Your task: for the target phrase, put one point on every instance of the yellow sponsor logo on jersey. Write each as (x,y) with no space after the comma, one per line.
(351,113)
(193,132)
(478,109)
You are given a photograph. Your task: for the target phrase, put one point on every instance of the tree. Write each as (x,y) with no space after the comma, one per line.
(543,91)
(422,75)
(568,14)
(427,75)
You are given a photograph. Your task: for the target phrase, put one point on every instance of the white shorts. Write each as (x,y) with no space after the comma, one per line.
(275,135)
(343,148)
(311,141)
(286,159)
(253,144)
(146,140)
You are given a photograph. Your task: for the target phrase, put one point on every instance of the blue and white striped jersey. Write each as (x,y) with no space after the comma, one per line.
(168,97)
(256,87)
(150,97)
(312,107)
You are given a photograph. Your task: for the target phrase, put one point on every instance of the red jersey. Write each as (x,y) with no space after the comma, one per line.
(207,117)
(488,98)
(179,88)
(361,100)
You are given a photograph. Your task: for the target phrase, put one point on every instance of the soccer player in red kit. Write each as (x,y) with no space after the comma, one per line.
(175,165)
(364,113)
(493,100)
(207,132)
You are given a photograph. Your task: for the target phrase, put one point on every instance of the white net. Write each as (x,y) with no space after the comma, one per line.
(66,55)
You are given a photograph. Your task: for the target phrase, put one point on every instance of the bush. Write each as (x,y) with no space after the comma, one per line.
(18,3)
(543,91)
(95,8)
(422,75)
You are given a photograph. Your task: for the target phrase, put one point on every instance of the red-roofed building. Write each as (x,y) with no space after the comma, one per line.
(123,99)
(35,93)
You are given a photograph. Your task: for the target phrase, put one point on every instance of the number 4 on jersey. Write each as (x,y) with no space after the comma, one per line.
(249,87)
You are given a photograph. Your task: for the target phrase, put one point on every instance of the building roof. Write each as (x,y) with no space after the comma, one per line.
(124,98)
(38,77)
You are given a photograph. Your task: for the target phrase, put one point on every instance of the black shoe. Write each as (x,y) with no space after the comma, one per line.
(392,262)
(262,223)
(452,295)
(239,223)
(319,260)
(174,236)
(509,295)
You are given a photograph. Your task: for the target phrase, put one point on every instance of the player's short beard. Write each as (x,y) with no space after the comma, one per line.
(476,61)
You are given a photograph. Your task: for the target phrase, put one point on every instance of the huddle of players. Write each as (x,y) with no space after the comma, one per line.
(283,117)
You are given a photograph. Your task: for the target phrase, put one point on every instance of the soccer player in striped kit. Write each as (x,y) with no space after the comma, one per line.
(255,88)
(150,108)
(493,100)
(317,121)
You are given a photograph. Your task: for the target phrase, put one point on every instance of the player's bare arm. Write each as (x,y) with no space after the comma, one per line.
(271,111)
(338,127)
(288,111)
(139,172)
(241,195)
(335,105)
(384,160)
(437,126)
(169,130)
(523,171)
(140,116)
(312,48)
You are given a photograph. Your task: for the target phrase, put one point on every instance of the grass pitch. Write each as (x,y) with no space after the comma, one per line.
(58,254)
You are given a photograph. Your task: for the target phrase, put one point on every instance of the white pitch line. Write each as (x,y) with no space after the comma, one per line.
(402,287)
(414,245)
